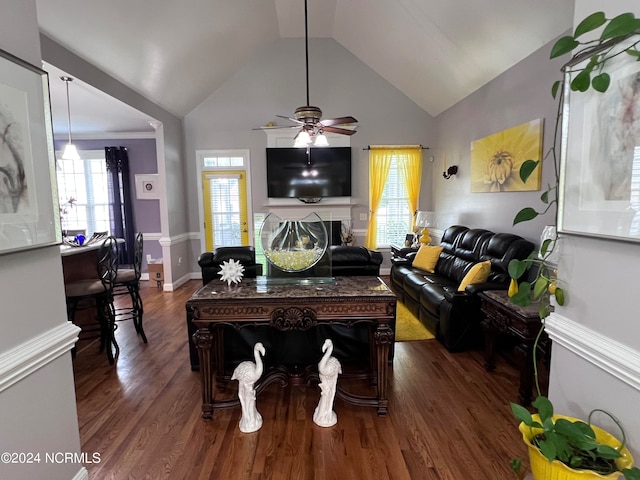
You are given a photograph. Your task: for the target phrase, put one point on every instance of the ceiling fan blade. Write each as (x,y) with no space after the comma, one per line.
(276,127)
(338,121)
(342,131)
(295,120)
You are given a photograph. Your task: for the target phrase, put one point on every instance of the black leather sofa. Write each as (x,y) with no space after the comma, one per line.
(349,343)
(454,316)
(210,262)
(351,260)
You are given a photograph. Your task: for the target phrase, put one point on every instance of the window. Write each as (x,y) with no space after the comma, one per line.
(85,181)
(394,217)
(395,176)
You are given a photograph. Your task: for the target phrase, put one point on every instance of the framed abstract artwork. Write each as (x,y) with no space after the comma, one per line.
(496,159)
(600,155)
(29,216)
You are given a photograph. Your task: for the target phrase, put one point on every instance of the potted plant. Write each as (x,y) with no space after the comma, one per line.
(564,448)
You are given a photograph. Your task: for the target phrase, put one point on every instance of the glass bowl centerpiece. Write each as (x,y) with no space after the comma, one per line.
(293,245)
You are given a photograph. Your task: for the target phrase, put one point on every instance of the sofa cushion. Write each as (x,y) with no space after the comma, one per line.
(453,267)
(431,298)
(500,250)
(412,284)
(400,272)
(451,237)
(479,273)
(427,257)
(472,244)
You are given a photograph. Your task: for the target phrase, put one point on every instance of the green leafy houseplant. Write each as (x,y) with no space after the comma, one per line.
(571,442)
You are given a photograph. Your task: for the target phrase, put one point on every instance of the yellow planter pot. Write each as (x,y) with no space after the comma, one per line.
(542,469)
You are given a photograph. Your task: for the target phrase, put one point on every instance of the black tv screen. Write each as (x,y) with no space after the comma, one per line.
(326,172)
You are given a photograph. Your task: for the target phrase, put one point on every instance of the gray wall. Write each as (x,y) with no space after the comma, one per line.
(596,356)
(521,94)
(596,352)
(37,396)
(169,145)
(273,82)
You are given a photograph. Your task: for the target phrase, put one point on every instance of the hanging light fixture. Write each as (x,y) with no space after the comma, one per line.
(70,150)
(321,140)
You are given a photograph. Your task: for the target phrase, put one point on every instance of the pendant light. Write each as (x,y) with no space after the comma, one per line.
(310,135)
(70,150)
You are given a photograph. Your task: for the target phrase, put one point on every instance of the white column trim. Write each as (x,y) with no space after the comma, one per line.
(24,359)
(610,355)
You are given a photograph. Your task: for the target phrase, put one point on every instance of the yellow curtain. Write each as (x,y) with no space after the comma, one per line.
(410,168)
(379,165)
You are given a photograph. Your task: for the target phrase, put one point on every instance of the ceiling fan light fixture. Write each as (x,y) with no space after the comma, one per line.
(321,140)
(302,139)
(70,150)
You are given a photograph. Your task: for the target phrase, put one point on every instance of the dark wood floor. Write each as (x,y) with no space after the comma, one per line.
(449,418)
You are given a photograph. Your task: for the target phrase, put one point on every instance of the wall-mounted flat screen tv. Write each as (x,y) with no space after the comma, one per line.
(324,172)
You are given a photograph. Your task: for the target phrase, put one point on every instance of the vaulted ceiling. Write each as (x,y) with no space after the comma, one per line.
(178,52)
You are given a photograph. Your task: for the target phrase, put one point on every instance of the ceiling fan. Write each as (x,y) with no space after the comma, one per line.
(308,119)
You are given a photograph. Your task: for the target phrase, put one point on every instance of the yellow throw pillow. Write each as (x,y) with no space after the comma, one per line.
(427,257)
(479,273)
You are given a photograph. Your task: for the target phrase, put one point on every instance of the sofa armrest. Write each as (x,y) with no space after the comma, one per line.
(454,296)
(476,288)
(398,261)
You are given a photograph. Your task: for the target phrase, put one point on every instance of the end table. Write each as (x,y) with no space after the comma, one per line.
(523,323)
(398,251)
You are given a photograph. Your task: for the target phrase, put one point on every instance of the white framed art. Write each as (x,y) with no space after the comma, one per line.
(29,214)
(600,157)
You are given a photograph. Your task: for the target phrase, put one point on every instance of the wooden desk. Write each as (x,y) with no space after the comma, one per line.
(522,323)
(287,306)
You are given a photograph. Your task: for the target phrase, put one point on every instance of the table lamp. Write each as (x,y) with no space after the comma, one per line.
(424,220)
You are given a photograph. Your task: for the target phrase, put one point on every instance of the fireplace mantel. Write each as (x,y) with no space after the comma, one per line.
(335,208)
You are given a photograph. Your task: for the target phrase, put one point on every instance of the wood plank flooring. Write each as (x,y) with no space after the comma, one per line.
(449,419)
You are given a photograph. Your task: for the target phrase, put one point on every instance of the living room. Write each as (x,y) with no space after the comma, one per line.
(595,361)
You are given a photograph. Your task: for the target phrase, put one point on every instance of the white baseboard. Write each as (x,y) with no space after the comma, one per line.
(611,356)
(22,360)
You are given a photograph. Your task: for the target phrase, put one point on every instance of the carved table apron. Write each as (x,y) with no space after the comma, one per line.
(295,306)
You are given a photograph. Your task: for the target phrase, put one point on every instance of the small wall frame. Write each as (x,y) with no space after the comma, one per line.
(147,186)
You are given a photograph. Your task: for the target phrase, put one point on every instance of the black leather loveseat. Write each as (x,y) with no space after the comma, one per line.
(454,316)
(348,342)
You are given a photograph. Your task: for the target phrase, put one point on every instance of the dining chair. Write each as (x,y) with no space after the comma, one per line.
(97,293)
(128,283)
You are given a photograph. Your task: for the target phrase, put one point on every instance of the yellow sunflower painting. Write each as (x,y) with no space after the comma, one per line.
(496,159)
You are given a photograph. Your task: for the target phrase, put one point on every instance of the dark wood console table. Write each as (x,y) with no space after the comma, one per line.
(522,323)
(346,301)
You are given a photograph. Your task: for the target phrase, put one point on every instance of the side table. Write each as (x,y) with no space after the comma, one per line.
(522,323)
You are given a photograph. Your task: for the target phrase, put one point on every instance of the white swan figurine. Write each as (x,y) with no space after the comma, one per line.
(248,373)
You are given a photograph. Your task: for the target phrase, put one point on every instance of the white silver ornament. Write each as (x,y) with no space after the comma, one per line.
(231,271)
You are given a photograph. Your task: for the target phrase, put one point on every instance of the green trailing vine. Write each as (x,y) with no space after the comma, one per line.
(572,443)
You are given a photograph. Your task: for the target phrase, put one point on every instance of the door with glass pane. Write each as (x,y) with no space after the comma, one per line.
(225,208)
